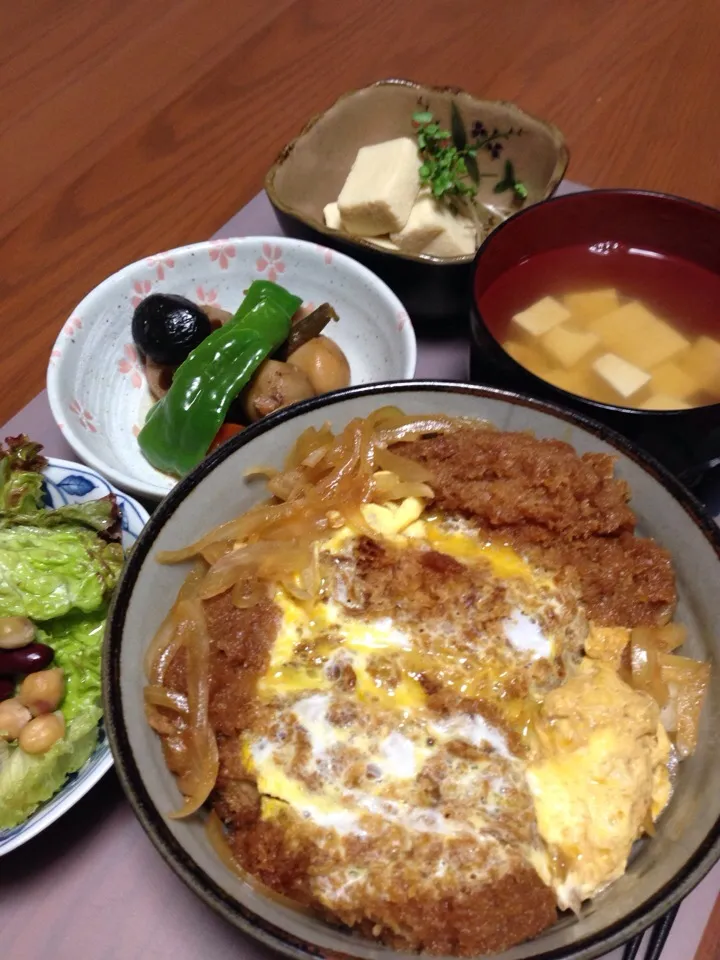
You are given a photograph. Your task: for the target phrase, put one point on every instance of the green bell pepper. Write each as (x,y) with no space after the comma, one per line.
(181,426)
(260,290)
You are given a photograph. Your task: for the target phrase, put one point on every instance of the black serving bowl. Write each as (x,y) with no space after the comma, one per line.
(687,442)
(661,872)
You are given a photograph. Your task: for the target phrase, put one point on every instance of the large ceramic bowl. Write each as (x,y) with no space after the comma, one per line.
(662,871)
(312,168)
(95,381)
(65,483)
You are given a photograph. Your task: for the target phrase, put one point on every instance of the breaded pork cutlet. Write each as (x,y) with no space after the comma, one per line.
(535,493)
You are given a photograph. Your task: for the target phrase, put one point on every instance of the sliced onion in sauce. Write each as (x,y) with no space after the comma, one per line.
(688,680)
(192,632)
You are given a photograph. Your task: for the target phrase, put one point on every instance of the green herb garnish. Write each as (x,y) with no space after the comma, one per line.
(450,158)
(444,167)
(510,182)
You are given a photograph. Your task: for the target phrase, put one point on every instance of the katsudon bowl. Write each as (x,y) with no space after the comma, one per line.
(661,870)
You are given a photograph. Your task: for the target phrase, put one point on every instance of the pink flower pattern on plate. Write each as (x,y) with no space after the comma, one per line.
(54,356)
(327,254)
(271,261)
(129,365)
(160,263)
(222,252)
(206,296)
(141,289)
(84,416)
(401,319)
(135,430)
(72,326)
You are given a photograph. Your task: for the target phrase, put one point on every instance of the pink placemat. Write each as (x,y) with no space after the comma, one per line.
(92,885)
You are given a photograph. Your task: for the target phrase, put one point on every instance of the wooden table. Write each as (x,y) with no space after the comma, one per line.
(129,127)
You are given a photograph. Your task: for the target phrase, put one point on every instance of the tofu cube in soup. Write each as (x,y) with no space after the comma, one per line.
(591,304)
(638,336)
(584,382)
(521,353)
(624,378)
(539,318)
(662,401)
(574,381)
(671,380)
(381,188)
(702,363)
(566,345)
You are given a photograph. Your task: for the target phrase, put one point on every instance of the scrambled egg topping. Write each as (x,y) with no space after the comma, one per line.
(603,774)
(347,747)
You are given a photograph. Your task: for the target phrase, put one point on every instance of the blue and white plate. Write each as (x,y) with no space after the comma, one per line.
(65,483)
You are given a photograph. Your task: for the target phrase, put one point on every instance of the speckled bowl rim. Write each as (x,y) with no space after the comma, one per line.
(561,163)
(697,865)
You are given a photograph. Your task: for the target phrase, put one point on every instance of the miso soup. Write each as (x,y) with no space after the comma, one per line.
(614,324)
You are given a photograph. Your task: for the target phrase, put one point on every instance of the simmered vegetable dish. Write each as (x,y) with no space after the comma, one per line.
(213,372)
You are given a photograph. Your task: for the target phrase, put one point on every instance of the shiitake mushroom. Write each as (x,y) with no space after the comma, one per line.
(167,327)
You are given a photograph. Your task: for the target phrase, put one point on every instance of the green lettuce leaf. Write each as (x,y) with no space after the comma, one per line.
(101,515)
(57,567)
(47,572)
(26,781)
(21,494)
(77,643)
(21,466)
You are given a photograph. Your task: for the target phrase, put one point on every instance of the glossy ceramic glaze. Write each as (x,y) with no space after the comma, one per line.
(662,871)
(687,441)
(312,168)
(95,380)
(65,483)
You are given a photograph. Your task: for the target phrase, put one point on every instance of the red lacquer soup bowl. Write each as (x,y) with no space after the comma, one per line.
(661,250)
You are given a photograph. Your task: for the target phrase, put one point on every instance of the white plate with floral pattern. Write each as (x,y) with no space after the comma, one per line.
(95,381)
(65,483)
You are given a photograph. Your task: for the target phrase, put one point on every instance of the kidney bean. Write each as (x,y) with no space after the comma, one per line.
(7,688)
(36,656)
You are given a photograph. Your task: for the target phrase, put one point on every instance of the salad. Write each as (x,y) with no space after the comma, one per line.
(57,571)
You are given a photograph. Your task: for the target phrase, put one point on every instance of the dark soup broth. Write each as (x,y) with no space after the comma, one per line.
(613,323)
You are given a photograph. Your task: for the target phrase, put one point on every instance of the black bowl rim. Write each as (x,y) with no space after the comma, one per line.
(595,405)
(559,170)
(697,865)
